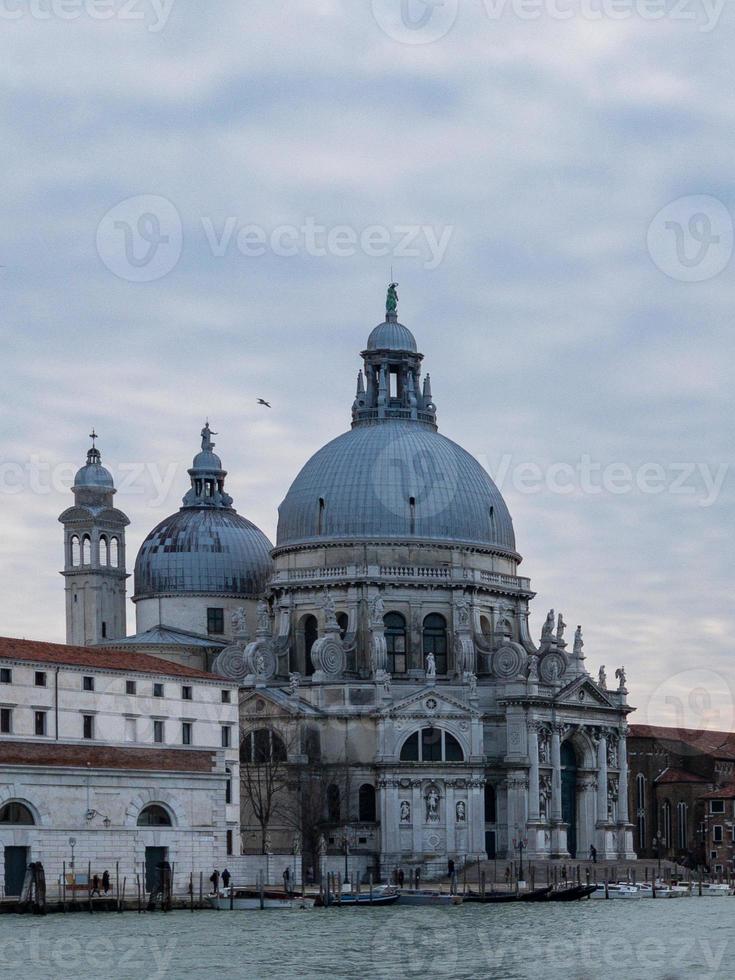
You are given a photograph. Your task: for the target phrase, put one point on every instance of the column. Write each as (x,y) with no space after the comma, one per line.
(450,815)
(533,797)
(417,818)
(556,774)
(602,778)
(623,787)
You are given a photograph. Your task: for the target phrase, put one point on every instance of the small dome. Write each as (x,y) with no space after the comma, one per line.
(94,475)
(395,481)
(206,460)
(392,335)
(203,551)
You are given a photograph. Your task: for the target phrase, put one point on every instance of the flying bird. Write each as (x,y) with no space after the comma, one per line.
(261,401)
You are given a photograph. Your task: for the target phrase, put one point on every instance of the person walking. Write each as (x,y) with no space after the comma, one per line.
(214,878)
(105,882)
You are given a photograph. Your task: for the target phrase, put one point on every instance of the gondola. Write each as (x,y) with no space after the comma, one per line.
(499,898)
(573,894)
(361,901)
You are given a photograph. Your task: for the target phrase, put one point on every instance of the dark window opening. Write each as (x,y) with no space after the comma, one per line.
(435,641)
(366,803)
(6,721)
(154,816)
(40,723)
(343,622)
(490,804)
(88,726)
(320,517)
(186,693)
(311,634)
(88,683)
(6,675)
(17,813)
(157,690)
(334,808)
(215,620)
(395,638)
(40,678)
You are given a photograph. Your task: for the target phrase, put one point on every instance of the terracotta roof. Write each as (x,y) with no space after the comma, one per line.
(705,742)
(723,793)
(59,653)
(106,757)
(673,775)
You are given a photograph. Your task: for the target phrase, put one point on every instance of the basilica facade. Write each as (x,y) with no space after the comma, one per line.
(384,642)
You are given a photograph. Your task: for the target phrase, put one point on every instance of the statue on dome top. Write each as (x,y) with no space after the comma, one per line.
(207,444)
(391,302)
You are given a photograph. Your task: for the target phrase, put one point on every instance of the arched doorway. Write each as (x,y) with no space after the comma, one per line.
(569,795)
(311,635)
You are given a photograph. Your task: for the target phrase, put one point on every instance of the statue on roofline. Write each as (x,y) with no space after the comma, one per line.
(391,302)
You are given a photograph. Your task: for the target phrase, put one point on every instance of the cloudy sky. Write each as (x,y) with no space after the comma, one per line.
(202,204)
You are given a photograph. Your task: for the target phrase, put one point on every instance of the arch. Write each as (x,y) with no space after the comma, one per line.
(228,786)
(395,638)
(115,552)
(485,626)
(343,621)
(334,806)
(665,827)
(86,550)
(366,803)
(640,810)
(155,815)
(157,796)
(681,826)
(17,813)
(103,550)
(262,747)
(435,640)
(432,744)
(75,551)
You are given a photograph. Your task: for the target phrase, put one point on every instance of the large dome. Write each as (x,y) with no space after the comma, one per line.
(394,480)
(203,551)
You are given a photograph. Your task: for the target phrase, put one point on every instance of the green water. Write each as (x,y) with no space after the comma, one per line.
(682,938)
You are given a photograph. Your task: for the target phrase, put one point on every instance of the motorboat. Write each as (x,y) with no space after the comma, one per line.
(361,900)
(246,899)
(712,889)
(616,890)
(422,896)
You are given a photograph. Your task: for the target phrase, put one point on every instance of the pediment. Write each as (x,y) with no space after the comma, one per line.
(430,701)
(268,702)
(581,691)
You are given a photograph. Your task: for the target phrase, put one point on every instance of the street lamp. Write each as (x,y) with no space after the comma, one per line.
(346,842)
(519,843)
(72,845)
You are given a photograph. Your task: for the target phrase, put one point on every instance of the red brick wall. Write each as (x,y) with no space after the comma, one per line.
(105,757)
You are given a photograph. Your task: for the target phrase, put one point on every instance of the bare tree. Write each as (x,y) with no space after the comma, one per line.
(265,778)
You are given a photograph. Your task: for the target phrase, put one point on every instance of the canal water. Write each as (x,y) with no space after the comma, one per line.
(656,940)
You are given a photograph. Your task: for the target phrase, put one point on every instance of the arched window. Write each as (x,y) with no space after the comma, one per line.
(681,826)
(76,551)
(666,823)
(86,550)
(366,803)
(333,804)
(490,804)
(343,621)
(154,815)
(228,786)
(311,744)
(640,790)
(103,550)
(640,811)
(431,745)
(435,641)
(395,638)
(16,813)
(486,626)
(262,747)
(114,553)
(311,634)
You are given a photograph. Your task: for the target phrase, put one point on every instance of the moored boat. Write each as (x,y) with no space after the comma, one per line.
(363,900)
(247,899)
(422,896)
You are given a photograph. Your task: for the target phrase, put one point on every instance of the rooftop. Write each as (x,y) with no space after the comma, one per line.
(703,741)
(35,651)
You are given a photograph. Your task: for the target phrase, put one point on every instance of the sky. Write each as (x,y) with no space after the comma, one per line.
(203,205)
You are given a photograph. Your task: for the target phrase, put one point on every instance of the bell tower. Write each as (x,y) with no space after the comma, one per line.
(94,556)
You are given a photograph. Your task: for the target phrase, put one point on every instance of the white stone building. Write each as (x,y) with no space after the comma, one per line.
(133,760)
(385,640)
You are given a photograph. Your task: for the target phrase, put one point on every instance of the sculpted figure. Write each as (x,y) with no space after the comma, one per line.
(462,610)
(547,630)
(405,811)
(377,610)
(431,665)
(620,676)
(207,444)
(391,301)
(432,805)
(264,616)
(560,627)
(293,683)
(461,810)
(578,642)
(602,678)
(239,621)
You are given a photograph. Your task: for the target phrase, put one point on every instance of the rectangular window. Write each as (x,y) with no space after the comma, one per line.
(88,683)
(158,690)
(6,675)
(186,733)
(226,736)
(158,731)
(88,726)
(40,678)
(40,723)
(186,694)
(130,687)
(225,697)
(6,721)
(717,834)
(229,842)
(717,806)
(215,620)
